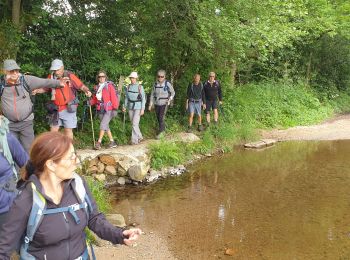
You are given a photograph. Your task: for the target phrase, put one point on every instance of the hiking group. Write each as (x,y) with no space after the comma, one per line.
(45,209)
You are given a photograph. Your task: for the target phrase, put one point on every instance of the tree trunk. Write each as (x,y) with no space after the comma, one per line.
(16,10)
(308,70)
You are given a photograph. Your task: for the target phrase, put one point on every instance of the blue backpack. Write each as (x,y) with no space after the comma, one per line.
(39,210)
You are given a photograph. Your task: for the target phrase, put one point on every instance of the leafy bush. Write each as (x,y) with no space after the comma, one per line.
(166,154)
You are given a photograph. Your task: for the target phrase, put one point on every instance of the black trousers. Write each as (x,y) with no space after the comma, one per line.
(160,113)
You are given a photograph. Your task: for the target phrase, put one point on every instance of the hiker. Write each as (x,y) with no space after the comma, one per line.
(63,110)
(11,153)
(16,92)
(106,100)
(161,96)
(213,95)
(195,101)
(135,102)
(55,206)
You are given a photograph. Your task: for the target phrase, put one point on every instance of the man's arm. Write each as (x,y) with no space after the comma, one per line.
(151,99)
(35,82)
(172,91)
(78,84)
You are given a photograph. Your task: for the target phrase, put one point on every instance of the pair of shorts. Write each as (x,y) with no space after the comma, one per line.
(105,118)
(66,119)
(211,104)
(195,107)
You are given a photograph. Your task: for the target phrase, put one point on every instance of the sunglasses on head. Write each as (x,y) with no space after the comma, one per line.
(101,76)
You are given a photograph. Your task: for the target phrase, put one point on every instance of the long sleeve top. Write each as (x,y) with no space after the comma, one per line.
(58,236)
(212,90)
(109,99)
(15,100)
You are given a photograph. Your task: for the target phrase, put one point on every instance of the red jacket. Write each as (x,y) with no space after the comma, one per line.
(67,93)
(110,100)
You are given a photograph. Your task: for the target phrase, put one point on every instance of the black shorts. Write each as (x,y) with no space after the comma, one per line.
(211,104)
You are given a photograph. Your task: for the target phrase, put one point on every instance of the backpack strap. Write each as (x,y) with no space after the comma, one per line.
(35,218)
(81,194)
(165,88)
(2,84)
(4,146)
(139,92)
(24,85)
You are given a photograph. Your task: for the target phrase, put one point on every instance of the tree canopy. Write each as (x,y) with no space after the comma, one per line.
(243,41)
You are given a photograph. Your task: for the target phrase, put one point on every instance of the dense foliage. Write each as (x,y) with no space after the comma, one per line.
(281,62)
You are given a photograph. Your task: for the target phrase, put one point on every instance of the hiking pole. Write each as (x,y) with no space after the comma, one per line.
(222,113)
(82,121)
(124,121)
(92,124)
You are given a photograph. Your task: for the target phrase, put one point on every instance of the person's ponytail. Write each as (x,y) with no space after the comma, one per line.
(27,171)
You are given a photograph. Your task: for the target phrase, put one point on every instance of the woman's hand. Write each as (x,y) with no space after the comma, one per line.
(142,112)
(131,235)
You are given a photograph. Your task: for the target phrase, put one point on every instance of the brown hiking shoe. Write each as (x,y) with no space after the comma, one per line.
(97,146)
(112,144)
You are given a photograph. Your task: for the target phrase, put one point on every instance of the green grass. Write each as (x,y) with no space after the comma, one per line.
(102,198)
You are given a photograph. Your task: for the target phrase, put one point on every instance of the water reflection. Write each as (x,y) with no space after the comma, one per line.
(287,202)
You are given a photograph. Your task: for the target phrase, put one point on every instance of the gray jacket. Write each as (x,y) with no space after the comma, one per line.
(16,104)
(162,93)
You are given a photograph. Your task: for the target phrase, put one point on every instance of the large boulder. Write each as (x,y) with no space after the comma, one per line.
(111,170)
(100,167)
(93,162)
(138,172)
(108,159)
(125,163)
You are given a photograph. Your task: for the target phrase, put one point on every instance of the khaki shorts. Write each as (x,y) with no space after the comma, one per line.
(66,119)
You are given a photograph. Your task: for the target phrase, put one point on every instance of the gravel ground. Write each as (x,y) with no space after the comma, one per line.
(149,246)
(337,128)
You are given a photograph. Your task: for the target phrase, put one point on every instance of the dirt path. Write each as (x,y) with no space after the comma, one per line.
(149,246)
(337,128)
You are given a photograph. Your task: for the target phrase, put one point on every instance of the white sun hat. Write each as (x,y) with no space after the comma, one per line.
(133,75)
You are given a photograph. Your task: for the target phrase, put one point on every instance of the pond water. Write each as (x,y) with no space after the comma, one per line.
(291,201)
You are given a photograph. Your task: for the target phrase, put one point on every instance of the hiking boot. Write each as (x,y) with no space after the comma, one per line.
(189,129)
(97,146)
(200,128)
(112,144)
